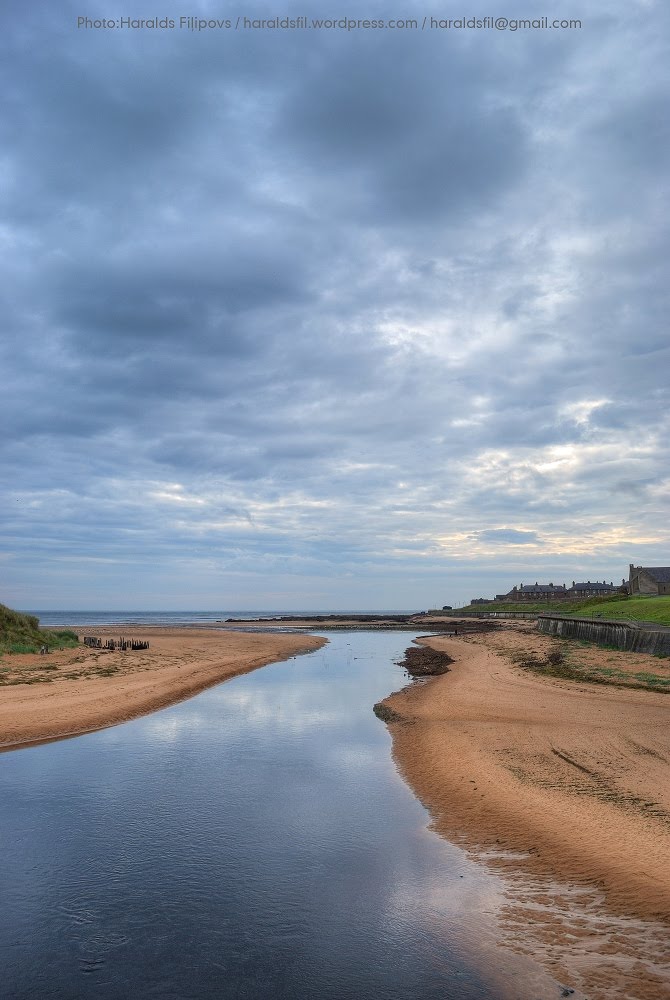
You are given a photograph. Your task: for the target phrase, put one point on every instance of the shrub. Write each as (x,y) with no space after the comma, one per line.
(556,657)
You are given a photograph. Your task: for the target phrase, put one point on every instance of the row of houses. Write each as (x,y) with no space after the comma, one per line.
(641,580)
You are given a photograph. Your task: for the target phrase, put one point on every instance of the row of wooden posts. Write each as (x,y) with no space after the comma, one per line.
(123,644)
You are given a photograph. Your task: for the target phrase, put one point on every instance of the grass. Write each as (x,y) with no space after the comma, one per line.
(21,633)
(650,609)
(558,663)
(646,678)
(539,606)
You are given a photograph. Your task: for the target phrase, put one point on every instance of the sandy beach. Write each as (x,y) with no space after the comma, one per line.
(75,691)
(563,786)
(564,780)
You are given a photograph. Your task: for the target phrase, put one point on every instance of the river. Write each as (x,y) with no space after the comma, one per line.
(253,842)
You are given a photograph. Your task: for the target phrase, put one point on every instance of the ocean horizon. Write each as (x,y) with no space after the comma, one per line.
(89,618)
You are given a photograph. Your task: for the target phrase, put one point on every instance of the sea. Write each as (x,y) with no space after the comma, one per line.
(90,619)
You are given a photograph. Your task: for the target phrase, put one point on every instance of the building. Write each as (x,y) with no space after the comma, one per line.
(643,580)
(589,589)
(537,592)
(648,579)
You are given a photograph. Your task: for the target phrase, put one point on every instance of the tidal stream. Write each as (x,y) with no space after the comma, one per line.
(253,842)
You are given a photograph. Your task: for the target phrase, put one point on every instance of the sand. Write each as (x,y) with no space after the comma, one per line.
(78,690)
(565,787)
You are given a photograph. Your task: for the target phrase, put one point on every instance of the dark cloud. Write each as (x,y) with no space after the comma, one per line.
(394,133)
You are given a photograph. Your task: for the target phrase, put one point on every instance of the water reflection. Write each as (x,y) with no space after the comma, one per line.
(254,841)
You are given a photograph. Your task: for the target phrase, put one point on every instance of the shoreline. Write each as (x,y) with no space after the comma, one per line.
(90,689)
(564,788)
(532,742)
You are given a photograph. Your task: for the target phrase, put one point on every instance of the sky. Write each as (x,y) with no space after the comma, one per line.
(326,318)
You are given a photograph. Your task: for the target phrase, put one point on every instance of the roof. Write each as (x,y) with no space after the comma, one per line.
(593,586)
(541,588)
(660,573)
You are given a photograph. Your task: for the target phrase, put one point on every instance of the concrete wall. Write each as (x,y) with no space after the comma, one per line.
(622,635)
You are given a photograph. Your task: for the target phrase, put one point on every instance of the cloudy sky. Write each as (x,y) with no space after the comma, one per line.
(328,318)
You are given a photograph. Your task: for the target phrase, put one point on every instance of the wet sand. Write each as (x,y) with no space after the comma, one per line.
(78,690)
(564,786)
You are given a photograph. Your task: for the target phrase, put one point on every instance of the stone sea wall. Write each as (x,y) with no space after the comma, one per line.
(633,636)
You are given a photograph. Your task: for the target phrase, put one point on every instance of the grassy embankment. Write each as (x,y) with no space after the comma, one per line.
(573,659)
(21,633)
(623,608)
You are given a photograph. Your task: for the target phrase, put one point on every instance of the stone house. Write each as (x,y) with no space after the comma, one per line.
(537,592)
(589,589)
(648,579)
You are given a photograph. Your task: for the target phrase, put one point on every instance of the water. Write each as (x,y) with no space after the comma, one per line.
(255,841)
(88,619)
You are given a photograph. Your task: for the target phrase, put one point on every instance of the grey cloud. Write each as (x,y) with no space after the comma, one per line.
(506,535)
(323,284)
(395,138)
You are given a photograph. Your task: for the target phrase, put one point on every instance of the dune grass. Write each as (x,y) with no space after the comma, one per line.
(21,633)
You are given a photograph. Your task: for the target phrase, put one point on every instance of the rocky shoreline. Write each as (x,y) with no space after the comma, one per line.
(399,623)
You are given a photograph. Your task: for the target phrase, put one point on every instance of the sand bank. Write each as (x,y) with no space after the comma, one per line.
(566,787)
(78,690)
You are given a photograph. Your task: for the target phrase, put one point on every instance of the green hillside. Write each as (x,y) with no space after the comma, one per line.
(21,633)
(650,609)
(569,607)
